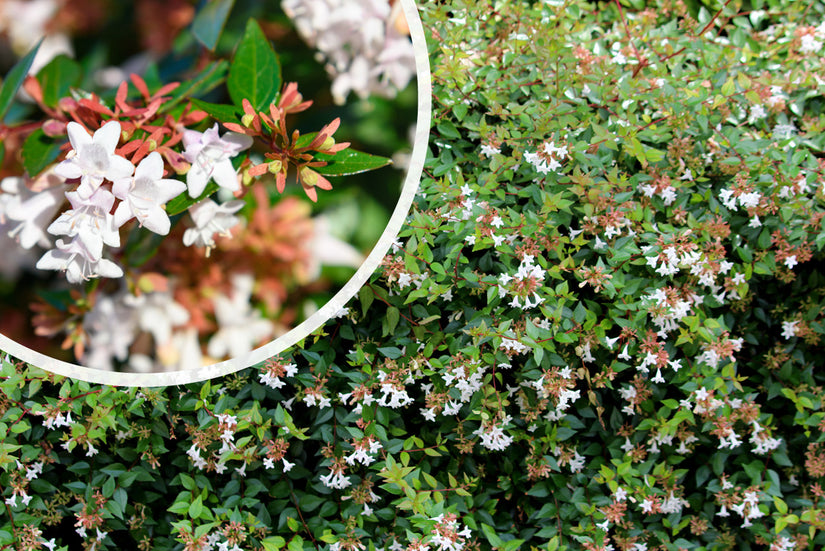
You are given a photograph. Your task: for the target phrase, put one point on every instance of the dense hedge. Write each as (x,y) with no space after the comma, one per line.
(600,328)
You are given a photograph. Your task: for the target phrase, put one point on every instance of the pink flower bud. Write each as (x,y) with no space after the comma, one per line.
(53,128)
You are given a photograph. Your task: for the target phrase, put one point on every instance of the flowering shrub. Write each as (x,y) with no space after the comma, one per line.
(97,183)
(599,329)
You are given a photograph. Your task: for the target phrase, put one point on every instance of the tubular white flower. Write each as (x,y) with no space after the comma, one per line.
(89,222)
(93,158)
(211,218)
(77,262)
(211,158)
(32,210)
(360,41)
(144,195)
(240,327)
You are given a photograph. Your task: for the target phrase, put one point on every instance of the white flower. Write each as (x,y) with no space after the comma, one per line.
(110,327)
(363,44)
(93,158)
(809,44)
(26,22)
(240,327)
(489,151)
(157,313)
(77,262)
(144,195)
(211,156)
(211,218)
(328,250)
(183,350)
(89,222)
(789,329)
(31,208)
(791,261)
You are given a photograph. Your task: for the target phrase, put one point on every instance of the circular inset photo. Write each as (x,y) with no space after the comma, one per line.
(184,196)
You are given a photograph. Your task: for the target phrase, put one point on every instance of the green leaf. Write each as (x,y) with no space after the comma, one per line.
(39,151)
(512,545)
(491,535)
(179,507)
(209,22)
(58,77)
(366,296)
(273,543)
(196,508)
(14,80)
(348,162)
(391,352)
(780,505)
(221,113)
(448,130)
(183,201)
(200,84)
(393,316)
(255,73)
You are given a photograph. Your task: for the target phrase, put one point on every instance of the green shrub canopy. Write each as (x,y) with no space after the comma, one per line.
(599,329)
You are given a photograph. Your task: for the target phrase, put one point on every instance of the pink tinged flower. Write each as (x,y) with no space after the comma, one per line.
(93,158)
(211,158)
(211,218)
(143,196)
(79,265)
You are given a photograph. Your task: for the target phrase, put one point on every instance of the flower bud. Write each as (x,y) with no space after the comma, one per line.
(67,104)
(53,128)
(247,119)
(309,176)
(328,143)
(275,166)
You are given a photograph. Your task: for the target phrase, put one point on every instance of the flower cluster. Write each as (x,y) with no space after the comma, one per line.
(365,45)
(116,190)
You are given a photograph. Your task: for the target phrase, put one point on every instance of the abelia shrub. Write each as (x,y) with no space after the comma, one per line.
(599,329)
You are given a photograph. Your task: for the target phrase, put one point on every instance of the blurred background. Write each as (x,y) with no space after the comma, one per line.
(153,38)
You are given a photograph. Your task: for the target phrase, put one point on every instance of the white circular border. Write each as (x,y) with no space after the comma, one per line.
(399,215)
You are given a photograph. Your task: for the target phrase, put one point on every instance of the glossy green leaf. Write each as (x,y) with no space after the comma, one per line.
(491,535)
(183,201)
(255,73)
(14,80)
(273,543)
(200,84)
(39,151)
(58,77)
(221,113)
(209,22)
(196,508)
(348,162)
